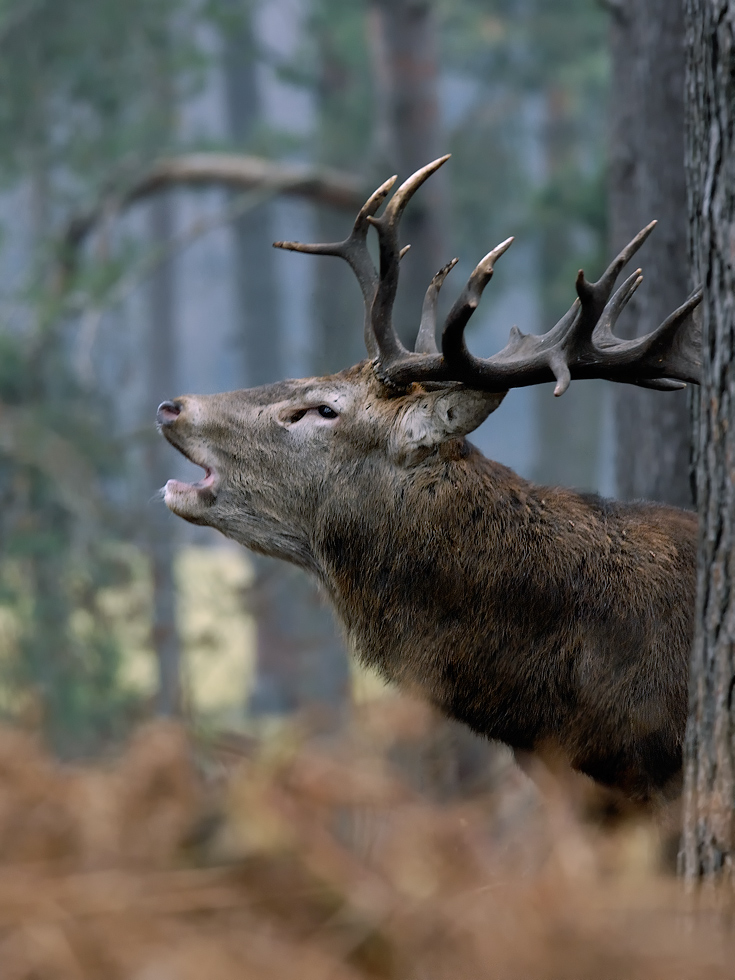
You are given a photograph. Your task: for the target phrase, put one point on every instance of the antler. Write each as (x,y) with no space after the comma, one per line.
(378,292)
(581,345)
(354,250)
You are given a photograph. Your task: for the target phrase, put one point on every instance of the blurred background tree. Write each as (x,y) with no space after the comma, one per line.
(181,291)
(646,180)
(78,111)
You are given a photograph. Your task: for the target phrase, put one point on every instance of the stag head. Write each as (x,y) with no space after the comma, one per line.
(275,455)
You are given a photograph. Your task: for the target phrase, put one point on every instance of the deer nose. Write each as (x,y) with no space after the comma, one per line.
(168,412)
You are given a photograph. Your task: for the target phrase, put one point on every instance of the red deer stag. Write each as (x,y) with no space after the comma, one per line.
(538,616)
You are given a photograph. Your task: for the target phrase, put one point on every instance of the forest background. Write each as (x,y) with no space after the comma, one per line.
(135,266)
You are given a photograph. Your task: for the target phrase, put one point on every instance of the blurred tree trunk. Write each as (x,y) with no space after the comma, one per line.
(300,660)
(339,306)
(162,380)
(403,44)
(709,820)
(647,181)
(338,302)
(160,531)
(255,280)
(569,428)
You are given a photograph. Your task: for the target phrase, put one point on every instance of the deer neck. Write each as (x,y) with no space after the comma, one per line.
(407,562)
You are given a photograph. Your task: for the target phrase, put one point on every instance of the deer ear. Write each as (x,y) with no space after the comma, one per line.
(434,417)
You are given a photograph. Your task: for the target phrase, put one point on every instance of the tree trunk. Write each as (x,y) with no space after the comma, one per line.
(300,660)
(709,829)
(339,306)
(647,181)
(402,38)
(161,379)
(568,428)
(255,275)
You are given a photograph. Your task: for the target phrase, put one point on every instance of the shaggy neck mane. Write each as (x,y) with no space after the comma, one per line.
(560,586)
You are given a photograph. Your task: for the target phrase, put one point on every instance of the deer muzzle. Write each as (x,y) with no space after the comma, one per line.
(188,500)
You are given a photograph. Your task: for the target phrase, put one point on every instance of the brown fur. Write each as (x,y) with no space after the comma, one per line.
(541,617)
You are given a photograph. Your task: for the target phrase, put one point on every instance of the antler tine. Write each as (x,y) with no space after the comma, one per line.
(573,332)
(354,250)
(579,322)
(426,337)
(664,359)
(453,343)
(397,204)
(389,346)
(609,276)
(681,333)
(571,341)
(603,335)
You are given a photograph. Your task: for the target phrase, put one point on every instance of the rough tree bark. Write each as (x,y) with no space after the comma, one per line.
(647,181)
(709,827)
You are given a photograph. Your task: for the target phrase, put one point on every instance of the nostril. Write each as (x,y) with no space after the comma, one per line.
(168,412)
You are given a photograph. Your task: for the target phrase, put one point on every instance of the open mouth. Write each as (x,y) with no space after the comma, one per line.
(207,481)
(190,499)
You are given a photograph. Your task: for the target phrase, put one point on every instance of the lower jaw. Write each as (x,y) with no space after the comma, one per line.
(188,500)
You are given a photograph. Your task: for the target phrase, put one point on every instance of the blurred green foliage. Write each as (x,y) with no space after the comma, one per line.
(523,91)
(79,80)
(59,662)
(86,89)
(532,145)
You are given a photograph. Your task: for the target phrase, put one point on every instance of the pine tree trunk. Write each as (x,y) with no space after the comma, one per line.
(402,37)
(161,525)
(647,181)
(709,828)
(255,274)
(300,659)
(568,430)
(339,307)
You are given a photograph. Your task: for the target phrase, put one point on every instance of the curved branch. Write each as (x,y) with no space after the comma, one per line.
(322,185)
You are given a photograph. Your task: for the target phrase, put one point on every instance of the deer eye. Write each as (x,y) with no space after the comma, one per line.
(326,412)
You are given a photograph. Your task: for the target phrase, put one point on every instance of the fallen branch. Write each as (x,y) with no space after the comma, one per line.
(322,185)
